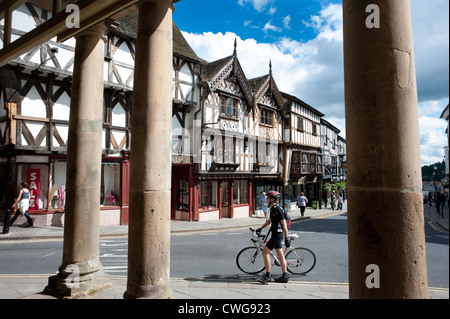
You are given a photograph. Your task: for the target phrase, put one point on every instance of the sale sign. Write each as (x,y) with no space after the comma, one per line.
(33,179)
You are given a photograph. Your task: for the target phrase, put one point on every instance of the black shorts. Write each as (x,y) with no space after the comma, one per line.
(276,242)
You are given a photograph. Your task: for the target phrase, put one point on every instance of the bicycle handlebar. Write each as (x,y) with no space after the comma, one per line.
(254,231)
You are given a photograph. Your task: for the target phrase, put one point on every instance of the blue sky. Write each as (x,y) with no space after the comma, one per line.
(263,20)
(303,39)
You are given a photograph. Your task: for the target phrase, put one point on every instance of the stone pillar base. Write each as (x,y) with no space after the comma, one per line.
(159,291)
(69,285)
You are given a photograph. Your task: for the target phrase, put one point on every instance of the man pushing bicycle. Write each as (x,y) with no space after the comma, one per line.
(279,231)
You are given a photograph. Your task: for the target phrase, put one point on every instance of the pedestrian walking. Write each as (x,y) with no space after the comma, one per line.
(279,230)
(22,204)
(301,202)
(441,203)
(340,201)
(333,200)
(264,204)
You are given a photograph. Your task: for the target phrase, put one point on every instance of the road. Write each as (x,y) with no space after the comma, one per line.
(212,254)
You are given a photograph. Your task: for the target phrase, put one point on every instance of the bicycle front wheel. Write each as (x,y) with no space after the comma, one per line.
(300,261)
(250,260)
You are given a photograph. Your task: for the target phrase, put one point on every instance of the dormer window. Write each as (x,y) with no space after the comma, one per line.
(228,106)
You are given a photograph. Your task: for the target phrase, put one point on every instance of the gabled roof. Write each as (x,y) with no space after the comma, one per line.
(445,113)
(261,85)
(331,126)
(212,69)
(292,98)
(215,72)
(128,27)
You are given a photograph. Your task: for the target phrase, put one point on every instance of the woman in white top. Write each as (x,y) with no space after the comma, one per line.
(22,204)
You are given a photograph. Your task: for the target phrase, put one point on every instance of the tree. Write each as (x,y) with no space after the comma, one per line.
(428,172)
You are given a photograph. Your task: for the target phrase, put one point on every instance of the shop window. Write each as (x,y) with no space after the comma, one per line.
(207,196)
(110,187)
(240,192)
(37,178)
(243,192)
(58,185)
(183,195)
(236,193)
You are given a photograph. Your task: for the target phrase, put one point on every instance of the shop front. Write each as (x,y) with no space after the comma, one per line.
(208,197)
(46,177)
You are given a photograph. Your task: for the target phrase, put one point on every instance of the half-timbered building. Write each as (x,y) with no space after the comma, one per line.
(266,131)
(35,91)
(232,138)
(224,163)
(303,148)
(331,151)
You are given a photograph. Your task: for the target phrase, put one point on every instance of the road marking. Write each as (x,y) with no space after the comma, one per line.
(437,228)
(114,267)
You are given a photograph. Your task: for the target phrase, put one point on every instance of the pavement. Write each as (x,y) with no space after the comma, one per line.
(30,286)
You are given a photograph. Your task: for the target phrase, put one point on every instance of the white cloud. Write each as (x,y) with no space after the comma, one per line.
(431,45)
(286,22)
(328,24)
(313,70)
(259,5)
(432,139)
(271,27)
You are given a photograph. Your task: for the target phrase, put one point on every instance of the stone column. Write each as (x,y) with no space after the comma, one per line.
(81,270)
(150,154)
(385,210)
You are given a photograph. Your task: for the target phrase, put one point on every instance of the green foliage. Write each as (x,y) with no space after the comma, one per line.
(327,187)
(428,171)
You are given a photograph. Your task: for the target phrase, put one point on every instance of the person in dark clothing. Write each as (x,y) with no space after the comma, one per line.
(22,204)
(278,228)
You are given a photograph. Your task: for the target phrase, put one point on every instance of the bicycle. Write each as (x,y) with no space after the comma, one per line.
(299,261)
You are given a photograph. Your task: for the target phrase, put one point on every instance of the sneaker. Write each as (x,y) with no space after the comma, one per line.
(265,279)
(282,279)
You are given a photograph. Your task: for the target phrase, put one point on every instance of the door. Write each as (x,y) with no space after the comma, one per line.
(226,200)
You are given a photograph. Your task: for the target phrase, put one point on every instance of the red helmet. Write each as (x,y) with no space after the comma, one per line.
(274,194)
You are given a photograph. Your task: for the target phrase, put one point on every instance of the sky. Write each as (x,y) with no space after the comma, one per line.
(303,39)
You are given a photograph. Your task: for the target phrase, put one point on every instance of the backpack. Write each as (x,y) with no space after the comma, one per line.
(288,220)
(288,216)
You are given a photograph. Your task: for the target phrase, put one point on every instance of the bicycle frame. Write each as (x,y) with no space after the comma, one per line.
(299,261)
(260,244)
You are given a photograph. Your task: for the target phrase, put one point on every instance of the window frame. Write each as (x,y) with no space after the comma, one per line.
(229,109)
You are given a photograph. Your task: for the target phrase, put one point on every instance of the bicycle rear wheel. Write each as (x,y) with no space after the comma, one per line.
(250,260)
(300,261)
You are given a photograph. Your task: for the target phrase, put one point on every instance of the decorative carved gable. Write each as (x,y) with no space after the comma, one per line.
(220,74)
